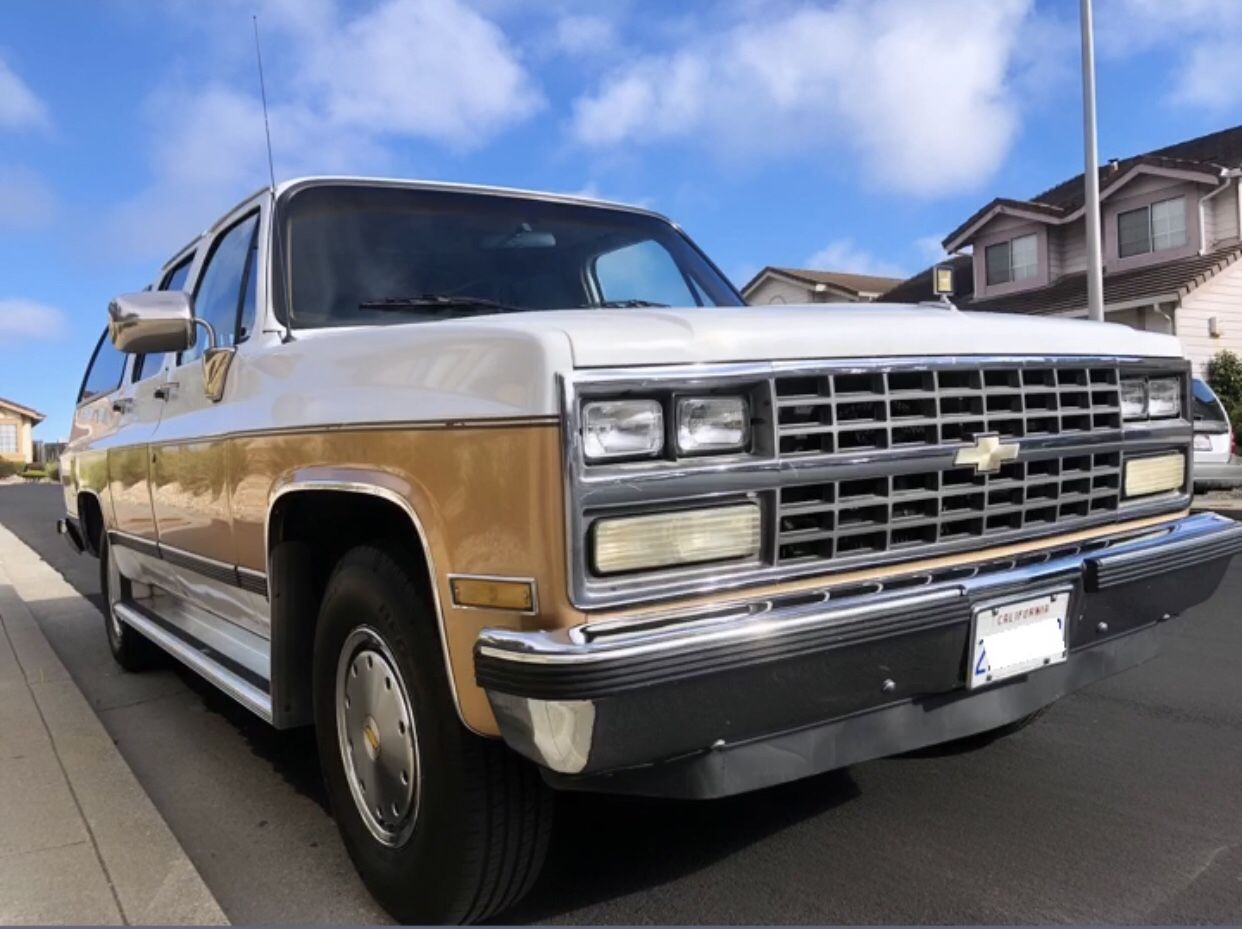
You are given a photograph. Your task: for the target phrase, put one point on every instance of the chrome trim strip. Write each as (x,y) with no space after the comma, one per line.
(384,493)
(251,580)
(236,687)
(235,576)
(528,581)
(633,486)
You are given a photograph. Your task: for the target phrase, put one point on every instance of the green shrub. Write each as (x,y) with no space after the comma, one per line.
(1224,376)
(8,468)
(34,474)
(53,470)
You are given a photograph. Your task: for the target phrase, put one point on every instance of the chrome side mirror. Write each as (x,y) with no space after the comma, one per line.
(151,321)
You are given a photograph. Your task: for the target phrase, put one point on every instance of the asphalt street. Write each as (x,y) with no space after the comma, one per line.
(1123,803)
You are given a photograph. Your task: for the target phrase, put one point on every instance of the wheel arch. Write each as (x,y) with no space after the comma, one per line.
(91,516)
(373,487)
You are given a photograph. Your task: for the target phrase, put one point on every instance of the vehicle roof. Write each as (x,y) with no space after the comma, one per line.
(317,180)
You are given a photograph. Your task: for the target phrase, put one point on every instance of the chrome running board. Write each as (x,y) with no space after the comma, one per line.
(233,684)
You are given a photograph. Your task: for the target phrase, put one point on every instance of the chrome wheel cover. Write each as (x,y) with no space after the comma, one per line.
(377,738)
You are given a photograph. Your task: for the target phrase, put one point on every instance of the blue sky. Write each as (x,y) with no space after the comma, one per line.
(850,134)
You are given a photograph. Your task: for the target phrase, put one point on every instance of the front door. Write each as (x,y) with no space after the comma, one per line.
(188,459)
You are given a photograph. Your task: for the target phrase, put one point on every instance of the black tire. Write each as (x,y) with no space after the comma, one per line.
(483,815)
(132,650)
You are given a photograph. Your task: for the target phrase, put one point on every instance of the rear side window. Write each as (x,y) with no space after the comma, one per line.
(104,373)
(1205,407)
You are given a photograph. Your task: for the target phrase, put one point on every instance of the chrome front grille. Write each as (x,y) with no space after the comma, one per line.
(853,462)
(858,411)
(905,512)
(844,413)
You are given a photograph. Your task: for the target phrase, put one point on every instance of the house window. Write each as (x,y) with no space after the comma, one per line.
(8,439)
(1152,228)
(1015,260)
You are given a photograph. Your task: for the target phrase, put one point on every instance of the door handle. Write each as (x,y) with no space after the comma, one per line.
(122,405)
(166,391)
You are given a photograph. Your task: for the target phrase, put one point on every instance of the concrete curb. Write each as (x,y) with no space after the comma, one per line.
(80,840)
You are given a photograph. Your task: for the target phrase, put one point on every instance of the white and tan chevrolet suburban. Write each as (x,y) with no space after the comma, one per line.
(506,492)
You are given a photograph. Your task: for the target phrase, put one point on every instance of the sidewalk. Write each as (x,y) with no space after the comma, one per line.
(80,841)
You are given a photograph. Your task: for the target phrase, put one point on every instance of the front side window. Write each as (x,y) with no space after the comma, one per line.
(147,365)
(1015,260)
(222,288)
(1152,228)
(104,374)
(367,256)
(8,438)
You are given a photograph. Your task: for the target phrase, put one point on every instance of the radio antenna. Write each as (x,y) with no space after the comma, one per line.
(271,174)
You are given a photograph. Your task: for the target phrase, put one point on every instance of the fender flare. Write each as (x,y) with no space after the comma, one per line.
(369,484)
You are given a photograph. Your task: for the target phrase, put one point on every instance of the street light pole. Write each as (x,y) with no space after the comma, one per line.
(1090,174)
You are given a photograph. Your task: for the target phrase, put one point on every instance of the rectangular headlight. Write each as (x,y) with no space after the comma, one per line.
(1133,399)
(1164,397)
(1155,474)
(712,424)
(661,540)
(614,429)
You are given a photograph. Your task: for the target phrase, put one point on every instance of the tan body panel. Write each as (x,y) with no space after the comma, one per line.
(130,491)
(488,500)
(189,487)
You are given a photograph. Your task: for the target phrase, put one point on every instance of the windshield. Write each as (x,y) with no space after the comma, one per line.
(367,255)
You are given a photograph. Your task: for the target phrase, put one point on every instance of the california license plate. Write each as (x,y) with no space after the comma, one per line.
(1013,637)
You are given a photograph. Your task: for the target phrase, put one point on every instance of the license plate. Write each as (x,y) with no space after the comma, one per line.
(1015,637)
(1203,443)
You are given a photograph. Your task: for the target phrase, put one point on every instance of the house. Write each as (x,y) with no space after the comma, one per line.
(1170,223)
(798,285)
(16,423)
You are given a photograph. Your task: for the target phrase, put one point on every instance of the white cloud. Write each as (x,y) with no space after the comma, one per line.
(892,82)
(1204,36)
(929,248)
(844,255)
(28,319)
(584,34)
(26,200)
(357,85)
(19,107)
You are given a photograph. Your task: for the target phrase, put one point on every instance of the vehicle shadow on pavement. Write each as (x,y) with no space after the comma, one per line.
(605,847)
(291,753)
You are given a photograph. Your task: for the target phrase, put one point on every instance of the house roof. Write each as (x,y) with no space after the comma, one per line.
(919,288)
(33,415)
(1167,280)
(1207,154)
(856,284)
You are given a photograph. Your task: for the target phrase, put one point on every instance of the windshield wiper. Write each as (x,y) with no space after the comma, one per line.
(437,301)
(622,304)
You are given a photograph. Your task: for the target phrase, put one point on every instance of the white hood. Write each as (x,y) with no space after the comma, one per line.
(618,338)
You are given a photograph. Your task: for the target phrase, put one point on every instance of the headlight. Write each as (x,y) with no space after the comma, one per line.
(712,424)
(661,540)
(1133,399)
(622,429)
(1164,397)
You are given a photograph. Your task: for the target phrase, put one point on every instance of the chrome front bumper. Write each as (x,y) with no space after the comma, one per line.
(723,700)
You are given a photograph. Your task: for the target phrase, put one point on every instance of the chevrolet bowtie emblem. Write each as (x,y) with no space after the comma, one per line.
(987,454)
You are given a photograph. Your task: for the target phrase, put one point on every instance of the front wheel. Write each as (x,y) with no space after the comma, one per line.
(442,825)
